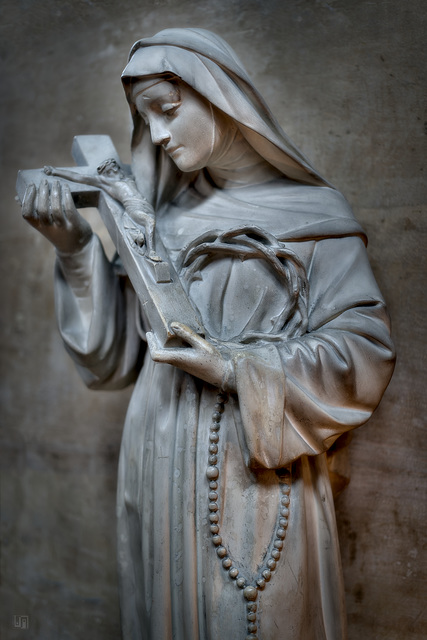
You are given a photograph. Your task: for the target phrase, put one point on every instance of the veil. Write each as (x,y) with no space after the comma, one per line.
(205,62)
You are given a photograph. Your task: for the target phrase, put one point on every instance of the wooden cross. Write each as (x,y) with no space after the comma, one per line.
(156,284)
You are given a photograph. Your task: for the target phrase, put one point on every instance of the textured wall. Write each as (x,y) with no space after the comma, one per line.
(345,80)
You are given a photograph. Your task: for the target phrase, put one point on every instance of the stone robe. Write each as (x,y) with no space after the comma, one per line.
(295,394)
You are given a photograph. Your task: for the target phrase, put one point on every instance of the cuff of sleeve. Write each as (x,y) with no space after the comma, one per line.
(260,384)
(77,255)
(78,267)
(229,378)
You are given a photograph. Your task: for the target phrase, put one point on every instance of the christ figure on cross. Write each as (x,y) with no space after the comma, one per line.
(112,179)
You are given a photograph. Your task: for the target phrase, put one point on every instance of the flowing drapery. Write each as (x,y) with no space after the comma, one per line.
(296,391)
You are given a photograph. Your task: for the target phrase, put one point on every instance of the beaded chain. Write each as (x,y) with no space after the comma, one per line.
(250,591)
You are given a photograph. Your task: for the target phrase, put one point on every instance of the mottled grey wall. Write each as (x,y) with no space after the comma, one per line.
(345,79)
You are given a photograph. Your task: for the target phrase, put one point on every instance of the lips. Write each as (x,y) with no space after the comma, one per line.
(171,150)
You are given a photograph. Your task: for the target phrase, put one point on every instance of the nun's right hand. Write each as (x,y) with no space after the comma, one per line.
(52,212)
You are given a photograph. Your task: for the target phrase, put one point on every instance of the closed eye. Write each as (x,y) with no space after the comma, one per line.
(170,108)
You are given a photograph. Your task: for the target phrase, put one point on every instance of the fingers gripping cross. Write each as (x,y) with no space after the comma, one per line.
(156,283)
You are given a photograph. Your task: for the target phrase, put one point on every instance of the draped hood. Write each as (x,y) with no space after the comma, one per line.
(207,63)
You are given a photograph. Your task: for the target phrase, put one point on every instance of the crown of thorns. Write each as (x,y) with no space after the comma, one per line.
(111,162)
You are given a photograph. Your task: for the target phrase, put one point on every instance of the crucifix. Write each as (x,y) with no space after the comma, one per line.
(150,270)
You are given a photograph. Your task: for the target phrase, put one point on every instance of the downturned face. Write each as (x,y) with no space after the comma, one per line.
(180,120)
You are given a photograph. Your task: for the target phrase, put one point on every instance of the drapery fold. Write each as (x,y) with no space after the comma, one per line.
(295,392)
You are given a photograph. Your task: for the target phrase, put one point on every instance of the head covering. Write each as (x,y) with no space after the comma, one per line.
(205,62)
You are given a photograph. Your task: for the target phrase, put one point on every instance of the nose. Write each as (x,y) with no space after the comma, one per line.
(159,132)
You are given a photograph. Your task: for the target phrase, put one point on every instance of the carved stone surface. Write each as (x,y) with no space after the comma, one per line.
(155,282)
(226,519)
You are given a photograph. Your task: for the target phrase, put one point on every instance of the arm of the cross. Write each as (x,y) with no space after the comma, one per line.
(83,194)
(157,285)
(88,153)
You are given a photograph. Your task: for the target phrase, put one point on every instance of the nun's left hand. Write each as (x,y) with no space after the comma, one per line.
(201,359)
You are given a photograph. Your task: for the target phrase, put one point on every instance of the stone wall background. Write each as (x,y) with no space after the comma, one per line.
(345,79)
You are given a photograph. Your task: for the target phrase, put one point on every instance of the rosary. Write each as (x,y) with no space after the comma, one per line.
(250,591)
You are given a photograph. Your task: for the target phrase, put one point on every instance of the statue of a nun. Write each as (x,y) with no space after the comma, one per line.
(226,524)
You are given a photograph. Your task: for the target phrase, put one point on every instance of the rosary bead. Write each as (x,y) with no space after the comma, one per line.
(212,473)
(250,593)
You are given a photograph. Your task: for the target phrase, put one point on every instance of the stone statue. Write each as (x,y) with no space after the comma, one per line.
(226,524)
